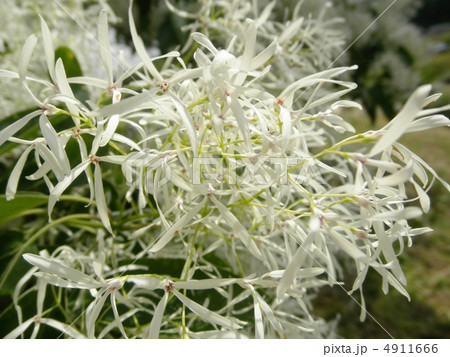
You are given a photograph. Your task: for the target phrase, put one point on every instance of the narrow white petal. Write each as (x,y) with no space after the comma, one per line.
(241,120)
(92,313)
(179,182)
(262,57)
(54,142)
(239,230)
(388,250)
(124,140)
(259,323)
(203,284)
(90,81)
(155,325)
(13,180)
(62,185)
(102,208)
(181,76)
(111,127)
(351,249)
(41,289)
(400,123)
(398,177)
(140,48)
(116,314)
(294,265)
(61,79)
(207,315)
(286,127)
(429,122)
(217,335)
(19,329)
(48,48)
(131,103)
(291,30)
(64,88)
(51,160)
(181,223)
(103,40)
(147,282)
(181,13)
(10,130)
(268,312)
(406,213)
(427,112)
(62,327)
(423,197)
(8,74)
(187,122)
(288,94)
(25,55)
(60,282)
(201,39)
(249,52)
(59,269)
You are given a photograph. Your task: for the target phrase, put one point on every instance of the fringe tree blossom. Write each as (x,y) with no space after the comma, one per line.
(20,20)
(223,171)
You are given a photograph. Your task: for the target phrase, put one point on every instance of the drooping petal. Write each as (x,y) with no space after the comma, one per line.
(395,128)
(111,127)
(155,324)
(241,120)
(131,103)
(259,323)
(25,56)
(54,142)
(181,223)
(239,230)
(54,267)
(140,48)
(261,58)
(204,283)
(60,282)
(201,39)
(100,200)
(268,312)
(423,197)
(208,315)
(62,185)
(187,122)
(294,265)
(10,130)
(50,159)
(20,329)
(398,177)
(116,314)
(93,311)
(429,122)
(62,327)
(105,47)
(13,180)
(351,249)
(146,282)
(64,88)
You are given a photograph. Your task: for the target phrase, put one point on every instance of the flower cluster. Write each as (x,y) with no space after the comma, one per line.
(223,202)
(18,22)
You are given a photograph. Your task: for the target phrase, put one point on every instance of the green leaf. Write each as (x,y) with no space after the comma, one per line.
(18,206)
